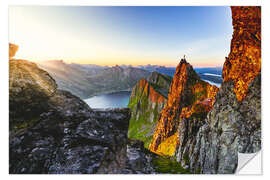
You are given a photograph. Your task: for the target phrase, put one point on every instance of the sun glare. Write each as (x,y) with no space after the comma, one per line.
(41,37)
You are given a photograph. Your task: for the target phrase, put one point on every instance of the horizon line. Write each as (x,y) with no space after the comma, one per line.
(110,65)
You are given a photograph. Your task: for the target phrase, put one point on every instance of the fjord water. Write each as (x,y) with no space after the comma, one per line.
(112,100)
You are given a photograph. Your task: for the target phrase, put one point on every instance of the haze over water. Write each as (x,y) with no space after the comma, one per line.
(111,100)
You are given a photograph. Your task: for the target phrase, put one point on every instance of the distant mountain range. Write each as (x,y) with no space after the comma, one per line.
(89,80)
(86,80)
(88,68)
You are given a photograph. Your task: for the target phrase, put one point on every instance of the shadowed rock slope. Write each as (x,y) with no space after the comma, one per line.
(29,90)
(210,143)
(52,131)
(147,99)
(234,124)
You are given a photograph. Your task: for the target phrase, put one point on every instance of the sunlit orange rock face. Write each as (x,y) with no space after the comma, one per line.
(153,95)
(188,95)
(13,48)
(244,61)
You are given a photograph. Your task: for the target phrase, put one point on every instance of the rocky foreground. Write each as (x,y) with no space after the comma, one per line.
(53,131)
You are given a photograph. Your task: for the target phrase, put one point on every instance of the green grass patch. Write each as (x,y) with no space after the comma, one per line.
(168,165)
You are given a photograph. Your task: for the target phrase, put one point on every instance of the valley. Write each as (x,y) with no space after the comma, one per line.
(88,80)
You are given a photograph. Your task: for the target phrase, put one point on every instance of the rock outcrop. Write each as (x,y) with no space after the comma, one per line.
(189,101)
(234,124)
(29,90)
(231,127)
(139,159)
(244,61)
(13,48)
(53,131)
(147,99)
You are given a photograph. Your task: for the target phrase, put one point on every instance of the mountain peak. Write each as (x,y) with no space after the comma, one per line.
(183,60)
(118,67)
(188,95)
(184,75)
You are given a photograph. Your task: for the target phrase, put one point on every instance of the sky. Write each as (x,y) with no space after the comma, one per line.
(122,35)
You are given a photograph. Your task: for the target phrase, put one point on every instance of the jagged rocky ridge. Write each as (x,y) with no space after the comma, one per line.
(147,99)
(52,131)
(189,100)
(230,127)
(234,123)
(209,143)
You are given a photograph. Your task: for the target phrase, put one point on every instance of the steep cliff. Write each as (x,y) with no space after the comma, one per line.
(147,99)
(189,98)
(244,61)
(234,123)
(231,127)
